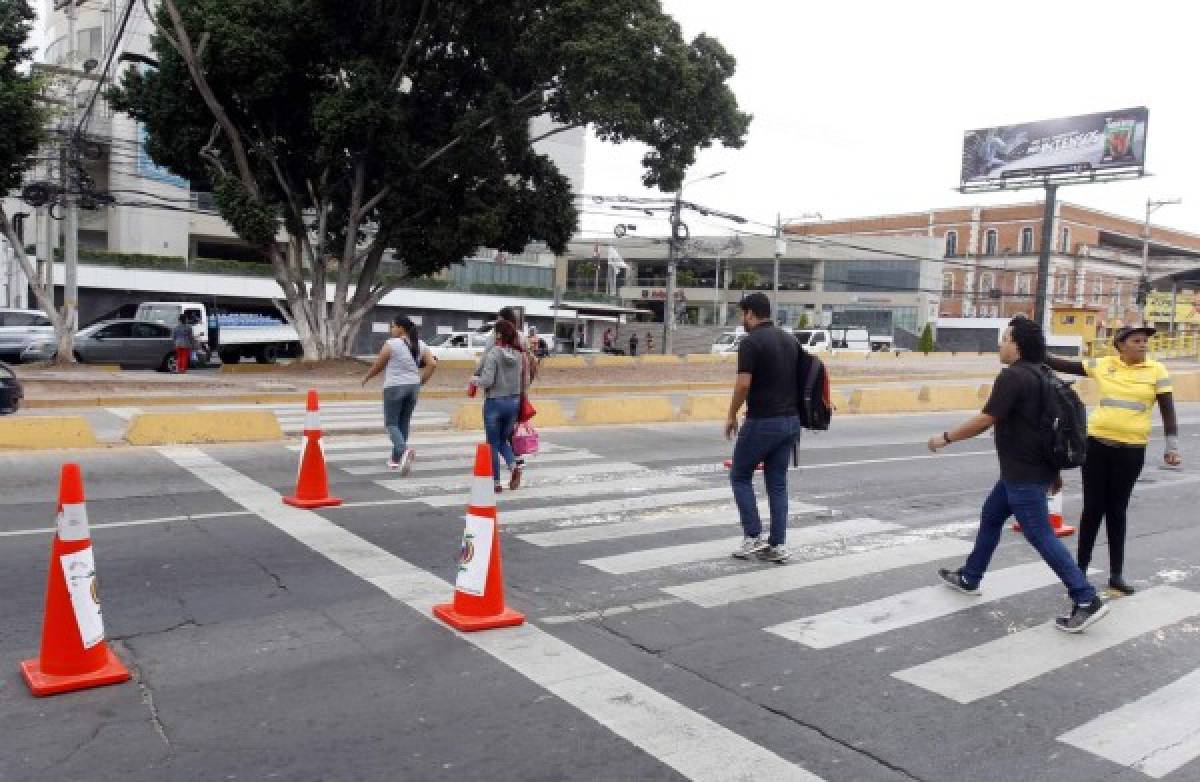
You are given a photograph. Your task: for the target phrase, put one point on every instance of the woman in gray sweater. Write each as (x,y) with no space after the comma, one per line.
(502,374)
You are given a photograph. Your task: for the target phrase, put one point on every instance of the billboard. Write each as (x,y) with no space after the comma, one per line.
(1085,143)
(1187,307)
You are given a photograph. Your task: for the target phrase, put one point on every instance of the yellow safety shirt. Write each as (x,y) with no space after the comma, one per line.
(1127,394)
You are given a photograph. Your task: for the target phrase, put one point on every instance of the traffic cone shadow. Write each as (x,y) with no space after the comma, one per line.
(73,654)
(479,589)
(312,480)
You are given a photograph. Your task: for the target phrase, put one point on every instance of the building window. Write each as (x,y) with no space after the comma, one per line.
(1022,285)
(947,284)
(1097,291)
(951,244)
(986,284)
(1091,320)
(1065,243)
(1026,241)
(1068,320)
(989,242)
(1062,284)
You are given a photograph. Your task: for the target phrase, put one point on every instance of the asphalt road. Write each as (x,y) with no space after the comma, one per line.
(269,643)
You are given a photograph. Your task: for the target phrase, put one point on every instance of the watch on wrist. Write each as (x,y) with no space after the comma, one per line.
(946,438)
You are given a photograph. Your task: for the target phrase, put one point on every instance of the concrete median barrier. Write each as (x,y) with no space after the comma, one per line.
(668,360)
(708,407)
(615,361)
(885,400)
(250,369)
(457,363)
(469,416)
(227,426)
(46,432)
(1186,386)
(937,398)
(564,362)
(624,410)
(705,358)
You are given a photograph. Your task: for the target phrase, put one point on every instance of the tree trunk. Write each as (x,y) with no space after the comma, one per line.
(43,292)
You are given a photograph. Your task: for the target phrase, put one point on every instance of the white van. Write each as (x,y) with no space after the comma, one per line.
(727,342)
(21,328)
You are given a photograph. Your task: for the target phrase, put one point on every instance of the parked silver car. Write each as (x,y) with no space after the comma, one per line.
(129,343)
(19,329)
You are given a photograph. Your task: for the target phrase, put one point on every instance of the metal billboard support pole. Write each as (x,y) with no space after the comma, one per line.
(1043,278)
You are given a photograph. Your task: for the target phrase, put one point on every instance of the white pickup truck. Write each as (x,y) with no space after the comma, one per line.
(458,345)
(232,336)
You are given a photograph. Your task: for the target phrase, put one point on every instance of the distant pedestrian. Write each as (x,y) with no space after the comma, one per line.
(608,340)
(766,384)
(409,366)
(633,343)
(649,343)
(537,347)
(185,342)
(1118,433)
(503,375)
(1026,475)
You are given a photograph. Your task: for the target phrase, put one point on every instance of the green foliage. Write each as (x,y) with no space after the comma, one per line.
(925,344)
(434,111)
(22,117)
(685,278)
(746,278)
(802,321)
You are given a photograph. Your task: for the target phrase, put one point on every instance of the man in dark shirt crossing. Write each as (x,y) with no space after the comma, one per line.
(1026,475)
(766,384)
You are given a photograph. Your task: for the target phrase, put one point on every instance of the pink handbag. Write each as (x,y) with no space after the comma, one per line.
(525,440)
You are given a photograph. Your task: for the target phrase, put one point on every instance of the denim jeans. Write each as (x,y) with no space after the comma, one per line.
(766,440)
(499,421)
(398,405)
(1026,501)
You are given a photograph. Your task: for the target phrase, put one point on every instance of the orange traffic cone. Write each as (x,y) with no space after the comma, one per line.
(1054,503)
(312,482)
(73,655)
(479,591)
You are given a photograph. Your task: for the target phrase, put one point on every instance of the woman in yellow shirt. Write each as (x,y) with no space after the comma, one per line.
(1118,432)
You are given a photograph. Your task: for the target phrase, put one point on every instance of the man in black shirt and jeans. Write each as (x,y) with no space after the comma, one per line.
(766,383)
(1026,475)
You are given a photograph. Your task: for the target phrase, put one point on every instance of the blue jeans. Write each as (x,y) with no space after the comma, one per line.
(1026,501)
(499,421)
(398,405)
(766,440)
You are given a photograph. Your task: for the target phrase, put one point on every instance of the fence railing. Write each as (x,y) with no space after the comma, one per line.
(1181,346)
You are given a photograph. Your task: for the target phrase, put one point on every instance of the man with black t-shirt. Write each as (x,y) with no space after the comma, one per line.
(766,383)
(1026,475)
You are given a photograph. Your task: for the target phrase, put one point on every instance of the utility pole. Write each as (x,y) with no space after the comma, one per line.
(1039,302)
(672,254)
(1144,283)
(780,251)
(67,158)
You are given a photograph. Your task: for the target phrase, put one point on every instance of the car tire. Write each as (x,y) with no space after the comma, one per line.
(78,358)
(168,363)
(267,354)
(203,357)
(230,356)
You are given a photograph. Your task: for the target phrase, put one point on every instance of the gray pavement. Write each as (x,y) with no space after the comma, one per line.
(273,643)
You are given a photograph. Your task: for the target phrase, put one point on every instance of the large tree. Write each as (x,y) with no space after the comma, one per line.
(400,129)
(22,119)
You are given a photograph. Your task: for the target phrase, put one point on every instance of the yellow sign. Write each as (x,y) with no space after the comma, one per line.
(1187,307)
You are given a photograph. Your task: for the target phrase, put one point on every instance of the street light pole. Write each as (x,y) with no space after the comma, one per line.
(672,255)
(1144,283)
(780,251)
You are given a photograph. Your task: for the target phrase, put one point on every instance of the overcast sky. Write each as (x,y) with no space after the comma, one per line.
(860,105)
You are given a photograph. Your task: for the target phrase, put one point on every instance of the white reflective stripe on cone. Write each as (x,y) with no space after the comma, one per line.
(312,421)
(483,495)
(72,522)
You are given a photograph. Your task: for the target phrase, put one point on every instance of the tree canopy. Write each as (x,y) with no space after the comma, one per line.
(364,128)
(22,128)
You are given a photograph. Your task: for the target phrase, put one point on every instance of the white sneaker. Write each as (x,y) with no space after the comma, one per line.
(750,547)
(393,464)
(406,461)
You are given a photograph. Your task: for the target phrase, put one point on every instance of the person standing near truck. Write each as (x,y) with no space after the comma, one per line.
(184,341)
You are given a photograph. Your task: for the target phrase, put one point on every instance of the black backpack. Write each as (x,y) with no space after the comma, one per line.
(812,392)
(1063,421)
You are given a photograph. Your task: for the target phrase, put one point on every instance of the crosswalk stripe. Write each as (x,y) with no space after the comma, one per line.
(856,622)
(533,476)
(467,463)
(1155,734)
(773,579)
(568,490)
(649,559)
(426,439)
(650,524)
(1006,662)
(585,512)
(344,426)
(428,452)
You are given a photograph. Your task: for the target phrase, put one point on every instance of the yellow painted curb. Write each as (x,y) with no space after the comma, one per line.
(1186,386)
(457,363)
(249,369)
(840,400)
(624,410)
(705,358)
(1088,391)
(43,432)
(937,398)
(669,359)
(226,426)
(564,362)
(711,407)
(885,400)
(985,392)
(469,416)
(614,361)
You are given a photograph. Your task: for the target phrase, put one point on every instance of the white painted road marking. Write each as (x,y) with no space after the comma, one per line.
(1156,734)
(673,734)
(1006,662)
(534,475)
(467,463)
(649,559)
(16,533)
(584,512)
(421,440)
(774,579)
(624,485)
(427,452)
(854,623)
